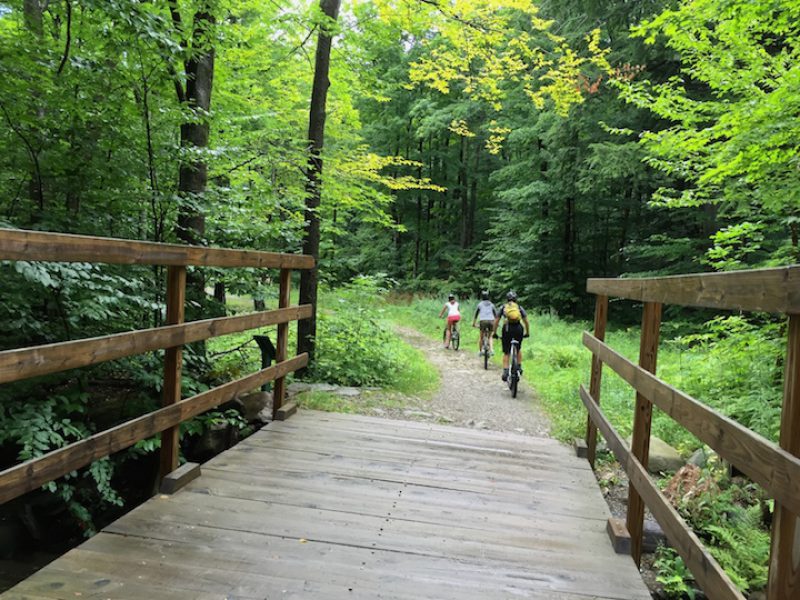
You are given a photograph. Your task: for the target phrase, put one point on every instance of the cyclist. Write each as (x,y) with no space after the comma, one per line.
(453,316)
(486,312)
(515,315)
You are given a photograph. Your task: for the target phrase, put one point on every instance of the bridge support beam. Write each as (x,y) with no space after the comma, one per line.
(600,320)
(279,392)
(640,442)
(173,363)
(784,564)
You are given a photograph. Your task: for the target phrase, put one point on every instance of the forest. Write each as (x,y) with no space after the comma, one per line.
(416,148)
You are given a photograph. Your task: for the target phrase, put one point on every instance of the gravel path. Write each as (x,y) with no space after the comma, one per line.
(471,396)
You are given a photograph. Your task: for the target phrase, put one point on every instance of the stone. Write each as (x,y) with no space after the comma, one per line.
(265,416)
(297,387)
(699,458)
(652,536)
(347,392)
(663,458)
(214,440)
(417,413)
(250,405)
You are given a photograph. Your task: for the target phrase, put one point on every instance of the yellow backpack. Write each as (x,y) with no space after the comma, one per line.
(512,312)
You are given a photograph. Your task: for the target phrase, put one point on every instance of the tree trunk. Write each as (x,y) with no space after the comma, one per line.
(193,172)
(307,329)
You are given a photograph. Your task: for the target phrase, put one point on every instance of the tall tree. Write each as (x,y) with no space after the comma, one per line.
(307,330)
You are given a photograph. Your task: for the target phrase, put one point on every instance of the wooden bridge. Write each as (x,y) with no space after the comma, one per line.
(340,506)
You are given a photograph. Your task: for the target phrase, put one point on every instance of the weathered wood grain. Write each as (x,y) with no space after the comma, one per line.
(173,368)
(31,474)
(711,578)
(642,419)
(775,469)
(768,290)
(296,512)
(784,564)
(282,341)
(24,363)
(596,375)
(18,244)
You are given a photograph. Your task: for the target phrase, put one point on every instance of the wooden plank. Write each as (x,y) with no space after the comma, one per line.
(31,474)
(254,532)
(775,469)
(545,505)
(285,411)
(784,563)
(595,378)
(642,418)
(711,578)
(201,560)
(619,536)
(179,478)
(279,392)
(768,290)
(173,362)
(53,358)
(18,244)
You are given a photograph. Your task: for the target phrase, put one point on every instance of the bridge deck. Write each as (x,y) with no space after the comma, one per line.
(340,506)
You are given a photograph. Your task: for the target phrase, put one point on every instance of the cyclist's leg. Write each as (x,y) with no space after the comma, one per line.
(519,332)
(505,339)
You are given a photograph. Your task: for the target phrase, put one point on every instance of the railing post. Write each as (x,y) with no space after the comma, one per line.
(173,362)
(640,441)
(784,562)
(282,342)
(600,320)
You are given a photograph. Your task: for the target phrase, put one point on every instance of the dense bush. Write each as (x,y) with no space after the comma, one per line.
(355,345)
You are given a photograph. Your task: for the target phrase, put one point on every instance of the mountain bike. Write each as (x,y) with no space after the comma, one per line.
(513,368)
(455,336)
(485,348)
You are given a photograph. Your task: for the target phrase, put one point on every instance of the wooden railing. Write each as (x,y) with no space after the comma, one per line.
(775,467)
(23,363)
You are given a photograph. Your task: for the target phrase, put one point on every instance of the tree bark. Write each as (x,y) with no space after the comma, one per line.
(307,329)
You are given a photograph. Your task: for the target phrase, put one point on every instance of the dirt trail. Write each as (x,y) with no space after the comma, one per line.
(471,396)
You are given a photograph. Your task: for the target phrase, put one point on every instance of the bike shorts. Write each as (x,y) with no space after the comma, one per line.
(487,326)
(453,319)
(512,331)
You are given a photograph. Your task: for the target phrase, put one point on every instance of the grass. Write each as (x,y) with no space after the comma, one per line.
(237,355)
(735,374)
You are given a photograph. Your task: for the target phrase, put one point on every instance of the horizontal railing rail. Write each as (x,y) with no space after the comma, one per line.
(775,467)
(764,290)
(19,244)
(23,363)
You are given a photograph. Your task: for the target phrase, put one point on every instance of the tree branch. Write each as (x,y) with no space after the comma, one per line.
(69,38)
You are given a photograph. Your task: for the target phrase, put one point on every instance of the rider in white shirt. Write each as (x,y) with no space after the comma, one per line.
(453,316)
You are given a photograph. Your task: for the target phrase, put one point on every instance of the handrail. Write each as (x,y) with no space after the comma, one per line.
(767,290)
(20,244)
(774,467)
(22,363)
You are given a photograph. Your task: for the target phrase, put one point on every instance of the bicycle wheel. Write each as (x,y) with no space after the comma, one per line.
(485,355)
(513,376)
(455,337)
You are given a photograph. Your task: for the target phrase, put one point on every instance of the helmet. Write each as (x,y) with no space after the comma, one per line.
(451,297)
(511,296)
(484,295)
